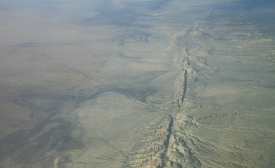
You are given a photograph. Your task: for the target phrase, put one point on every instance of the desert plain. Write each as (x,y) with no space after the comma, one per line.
(137,83)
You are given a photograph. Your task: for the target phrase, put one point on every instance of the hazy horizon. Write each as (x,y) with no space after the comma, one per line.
(137,83)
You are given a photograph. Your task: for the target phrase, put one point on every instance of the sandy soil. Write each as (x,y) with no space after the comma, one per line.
(159,84)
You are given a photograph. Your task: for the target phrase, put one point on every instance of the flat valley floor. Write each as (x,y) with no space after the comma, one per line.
(129,83)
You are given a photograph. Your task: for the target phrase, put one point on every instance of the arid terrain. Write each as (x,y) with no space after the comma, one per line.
(137,83)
